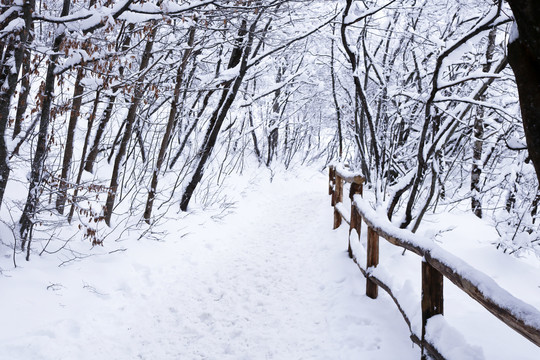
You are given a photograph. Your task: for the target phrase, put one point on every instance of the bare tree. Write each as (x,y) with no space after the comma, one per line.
(170,125)
(129,122)
(36,175)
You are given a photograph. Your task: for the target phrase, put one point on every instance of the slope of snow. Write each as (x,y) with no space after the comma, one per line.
(270,281)
(468,330)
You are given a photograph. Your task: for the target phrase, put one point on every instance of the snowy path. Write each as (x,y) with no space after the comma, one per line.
(270,281)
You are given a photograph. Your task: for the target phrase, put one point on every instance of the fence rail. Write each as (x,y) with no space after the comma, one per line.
(437,263)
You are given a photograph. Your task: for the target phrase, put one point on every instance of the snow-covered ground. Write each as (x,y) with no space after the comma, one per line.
(262,277)
(269,281)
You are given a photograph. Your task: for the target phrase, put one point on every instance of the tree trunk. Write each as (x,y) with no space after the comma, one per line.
(478,130)
(94,149)
(524,57)
(274,121)
(68,151)
(334,96)
(360,90)
(254,136)
(22,104)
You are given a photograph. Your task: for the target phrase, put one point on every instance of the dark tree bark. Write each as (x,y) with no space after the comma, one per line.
(254,136)
(68,151)
(478,130)
(524,58)
(22,103)
(274,119)
(94,149)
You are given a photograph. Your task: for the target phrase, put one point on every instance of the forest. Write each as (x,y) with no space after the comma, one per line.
(114,113)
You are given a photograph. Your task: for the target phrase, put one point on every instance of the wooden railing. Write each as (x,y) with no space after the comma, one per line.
(436,264)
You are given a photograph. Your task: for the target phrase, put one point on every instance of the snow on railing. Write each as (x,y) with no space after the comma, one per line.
(436,264)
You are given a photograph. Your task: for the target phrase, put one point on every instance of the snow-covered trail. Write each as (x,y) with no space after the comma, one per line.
(270,281)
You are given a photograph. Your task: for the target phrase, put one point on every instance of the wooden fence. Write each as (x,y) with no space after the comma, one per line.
(436,264)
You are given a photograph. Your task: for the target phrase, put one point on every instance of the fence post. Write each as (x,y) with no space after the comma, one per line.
(331,181)
(356,219)
(432,297)
(337,198)
(372,290)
